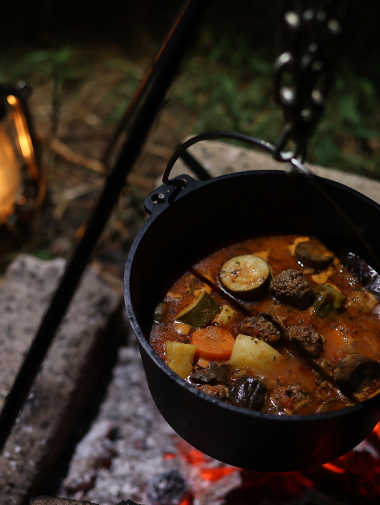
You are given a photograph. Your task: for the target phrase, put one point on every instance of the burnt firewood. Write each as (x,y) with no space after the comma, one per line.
(167,488)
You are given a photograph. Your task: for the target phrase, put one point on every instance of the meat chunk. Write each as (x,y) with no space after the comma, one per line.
(291,287)
(219,392)
(307,339)
(264,327)
(289,398)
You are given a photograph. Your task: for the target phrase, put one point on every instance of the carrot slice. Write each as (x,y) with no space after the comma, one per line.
(214,343)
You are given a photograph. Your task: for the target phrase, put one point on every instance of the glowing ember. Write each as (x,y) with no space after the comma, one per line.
(333,468)
(376,430)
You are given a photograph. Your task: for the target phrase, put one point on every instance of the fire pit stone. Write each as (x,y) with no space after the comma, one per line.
(67,374)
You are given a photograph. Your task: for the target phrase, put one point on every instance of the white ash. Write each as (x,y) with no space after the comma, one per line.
(126,446)
(142,438)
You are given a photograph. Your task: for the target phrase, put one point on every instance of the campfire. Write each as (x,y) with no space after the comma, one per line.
(352,478)
(132,453)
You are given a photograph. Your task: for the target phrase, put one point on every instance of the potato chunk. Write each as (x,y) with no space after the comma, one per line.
(254,353)
(225,316)
(180,357)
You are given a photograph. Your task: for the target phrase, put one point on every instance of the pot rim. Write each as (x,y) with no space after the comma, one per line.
(144,342)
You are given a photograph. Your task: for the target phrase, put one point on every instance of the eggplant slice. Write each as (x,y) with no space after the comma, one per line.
(313,254)
(246,277)
(355,372)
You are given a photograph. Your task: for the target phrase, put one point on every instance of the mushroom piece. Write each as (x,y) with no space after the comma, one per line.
(355,372)
(248,392)
(212,374)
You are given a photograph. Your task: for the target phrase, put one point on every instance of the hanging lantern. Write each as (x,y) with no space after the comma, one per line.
(19,169)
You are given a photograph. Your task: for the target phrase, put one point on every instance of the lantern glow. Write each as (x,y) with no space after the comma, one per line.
(10,177)
(19,168)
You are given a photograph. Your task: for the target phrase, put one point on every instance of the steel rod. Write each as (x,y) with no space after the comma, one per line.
(166,65)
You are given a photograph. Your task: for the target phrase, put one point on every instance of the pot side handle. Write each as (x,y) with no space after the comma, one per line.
(165,195)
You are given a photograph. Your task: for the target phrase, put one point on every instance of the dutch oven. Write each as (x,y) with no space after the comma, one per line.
(187,224)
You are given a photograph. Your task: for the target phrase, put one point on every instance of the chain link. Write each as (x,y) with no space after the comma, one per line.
(303,73)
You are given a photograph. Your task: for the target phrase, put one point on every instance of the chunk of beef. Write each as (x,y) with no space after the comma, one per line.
(307,339)
(290,398)
(291,287)
(264,327)
(219,392)
(329,398)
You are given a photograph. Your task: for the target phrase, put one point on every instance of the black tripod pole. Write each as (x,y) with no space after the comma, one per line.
(149,101)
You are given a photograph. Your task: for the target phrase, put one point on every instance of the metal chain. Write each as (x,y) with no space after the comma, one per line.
(303,73)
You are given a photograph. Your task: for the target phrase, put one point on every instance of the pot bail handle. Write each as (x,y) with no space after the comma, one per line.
(180,184)
(295,166)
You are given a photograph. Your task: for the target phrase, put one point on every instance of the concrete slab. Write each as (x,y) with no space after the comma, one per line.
(68,371)
(220,158)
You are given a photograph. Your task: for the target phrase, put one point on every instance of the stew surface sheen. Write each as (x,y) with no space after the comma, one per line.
(297,380)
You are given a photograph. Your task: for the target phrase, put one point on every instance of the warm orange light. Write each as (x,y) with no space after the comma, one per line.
(10,178)
(23,137)
(376,430)
(20,200)
(187,500)
(169,455)
(214,474)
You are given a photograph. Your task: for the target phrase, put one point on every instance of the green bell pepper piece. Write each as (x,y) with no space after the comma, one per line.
(327,300)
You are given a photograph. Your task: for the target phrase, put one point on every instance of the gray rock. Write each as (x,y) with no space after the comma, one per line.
(66,376)
(47,500)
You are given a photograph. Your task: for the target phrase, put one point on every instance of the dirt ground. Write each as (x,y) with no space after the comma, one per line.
(74,125)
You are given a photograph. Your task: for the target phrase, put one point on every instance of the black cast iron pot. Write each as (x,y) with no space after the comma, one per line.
(203,217)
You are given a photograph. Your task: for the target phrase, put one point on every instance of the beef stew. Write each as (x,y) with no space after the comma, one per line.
(301,337)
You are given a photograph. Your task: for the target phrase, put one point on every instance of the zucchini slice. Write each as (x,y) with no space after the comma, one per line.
(246,277)
(201,312)
(159,312)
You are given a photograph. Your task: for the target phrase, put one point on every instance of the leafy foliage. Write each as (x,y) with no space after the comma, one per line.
(234,92)
(226,84)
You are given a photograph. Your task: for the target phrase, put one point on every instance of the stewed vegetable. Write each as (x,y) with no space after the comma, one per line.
(313,254)
(246,277)
(275,324)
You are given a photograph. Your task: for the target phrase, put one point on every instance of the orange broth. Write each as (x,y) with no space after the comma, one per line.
(353,330)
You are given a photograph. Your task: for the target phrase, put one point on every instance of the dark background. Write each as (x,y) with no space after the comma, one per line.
(84,61)
(237,37)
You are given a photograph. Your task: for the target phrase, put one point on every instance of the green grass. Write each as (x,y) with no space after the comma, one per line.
(235,93)
(225,85)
